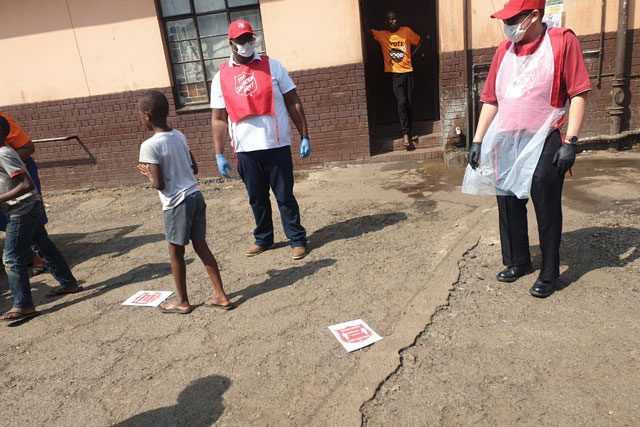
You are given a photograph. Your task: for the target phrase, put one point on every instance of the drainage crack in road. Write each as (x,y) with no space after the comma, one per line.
(396,371)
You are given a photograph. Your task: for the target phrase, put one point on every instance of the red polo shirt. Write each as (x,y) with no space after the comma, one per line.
(571,75)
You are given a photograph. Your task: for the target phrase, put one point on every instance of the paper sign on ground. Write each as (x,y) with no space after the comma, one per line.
(147,298)
(354,335)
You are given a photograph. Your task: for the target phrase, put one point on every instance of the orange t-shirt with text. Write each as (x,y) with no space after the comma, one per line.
(17,137)
(396,48)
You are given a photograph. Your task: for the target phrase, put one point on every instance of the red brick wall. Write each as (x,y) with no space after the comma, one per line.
(109,128)
(597,121)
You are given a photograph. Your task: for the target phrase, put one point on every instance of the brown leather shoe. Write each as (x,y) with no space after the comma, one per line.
(299,252)
(254,250)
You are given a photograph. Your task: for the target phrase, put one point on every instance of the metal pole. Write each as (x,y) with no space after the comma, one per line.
(467,61)
(618,90)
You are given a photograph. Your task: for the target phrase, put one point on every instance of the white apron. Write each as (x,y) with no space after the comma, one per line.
(513,144)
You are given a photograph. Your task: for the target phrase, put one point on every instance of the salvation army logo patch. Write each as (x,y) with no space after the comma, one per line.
(246,84)
(396,55)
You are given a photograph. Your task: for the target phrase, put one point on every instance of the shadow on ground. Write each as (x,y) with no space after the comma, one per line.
(79,247)
(592,248)
(200,404)
(280,279)
(354,227)
(138,274)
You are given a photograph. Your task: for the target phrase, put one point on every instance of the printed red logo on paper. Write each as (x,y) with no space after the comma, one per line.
(354,334)
(146,298)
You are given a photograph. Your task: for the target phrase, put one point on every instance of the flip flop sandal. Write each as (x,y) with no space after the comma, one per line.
(16,317)
(59,291)
(172,309)
(221,307)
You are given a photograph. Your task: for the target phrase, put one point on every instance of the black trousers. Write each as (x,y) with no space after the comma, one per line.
(403,90)
(546,193)
(271,169)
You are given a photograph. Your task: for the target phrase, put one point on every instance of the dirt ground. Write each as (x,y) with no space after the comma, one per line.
(394,244)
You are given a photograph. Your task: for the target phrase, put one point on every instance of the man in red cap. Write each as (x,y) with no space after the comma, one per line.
(250,96)
(518,151)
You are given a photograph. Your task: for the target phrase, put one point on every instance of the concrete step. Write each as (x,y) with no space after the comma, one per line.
(384,145)
(420,153)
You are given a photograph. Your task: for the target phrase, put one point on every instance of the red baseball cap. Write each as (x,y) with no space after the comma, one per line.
(514,7)
(238,28)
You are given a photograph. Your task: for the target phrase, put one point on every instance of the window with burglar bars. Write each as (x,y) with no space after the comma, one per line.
(196,36)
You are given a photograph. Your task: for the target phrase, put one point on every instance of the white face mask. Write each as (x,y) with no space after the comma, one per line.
(515,32)
(246,50)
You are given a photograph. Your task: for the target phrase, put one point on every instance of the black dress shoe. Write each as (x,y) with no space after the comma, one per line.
(511,274)
(541,289)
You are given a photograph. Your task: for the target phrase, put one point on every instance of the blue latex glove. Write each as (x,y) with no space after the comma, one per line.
(223,165)
(305,147)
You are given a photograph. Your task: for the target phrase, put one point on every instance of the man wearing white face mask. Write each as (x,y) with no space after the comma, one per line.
(517,151)
(250,96)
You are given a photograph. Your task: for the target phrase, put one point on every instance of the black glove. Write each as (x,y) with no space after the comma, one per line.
(565,157)
(474,155)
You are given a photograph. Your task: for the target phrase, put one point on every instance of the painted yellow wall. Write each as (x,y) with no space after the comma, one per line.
(450,22)
(582,16)
(125,53)
(306,34)
(56,49)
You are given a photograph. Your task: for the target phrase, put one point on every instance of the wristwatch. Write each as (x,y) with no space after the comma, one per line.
(573,140)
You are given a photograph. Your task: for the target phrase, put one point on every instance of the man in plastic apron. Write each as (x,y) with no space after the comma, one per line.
(517,151)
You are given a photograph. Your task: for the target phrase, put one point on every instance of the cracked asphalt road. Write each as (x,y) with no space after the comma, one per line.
(388,245)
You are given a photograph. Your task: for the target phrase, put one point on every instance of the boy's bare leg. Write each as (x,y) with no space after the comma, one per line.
(204,253)
(179,272)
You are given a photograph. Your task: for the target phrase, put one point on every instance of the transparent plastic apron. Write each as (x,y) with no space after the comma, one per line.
(513,144)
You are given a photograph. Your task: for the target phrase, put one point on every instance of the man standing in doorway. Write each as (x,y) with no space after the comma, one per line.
(396,43)
(518,151)
(253,93)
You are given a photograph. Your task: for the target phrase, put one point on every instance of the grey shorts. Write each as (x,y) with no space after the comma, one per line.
(187,221)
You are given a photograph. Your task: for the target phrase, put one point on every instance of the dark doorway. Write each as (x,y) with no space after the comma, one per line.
(420,16)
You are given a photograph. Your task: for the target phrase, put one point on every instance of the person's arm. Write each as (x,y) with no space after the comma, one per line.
(25,185)
(565,157)
(487,114)
(26,150)
(576,80)
(417,47)
(416,42)
(296,111)
(219,128)
(194,164)
(577,111)
(153,172)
